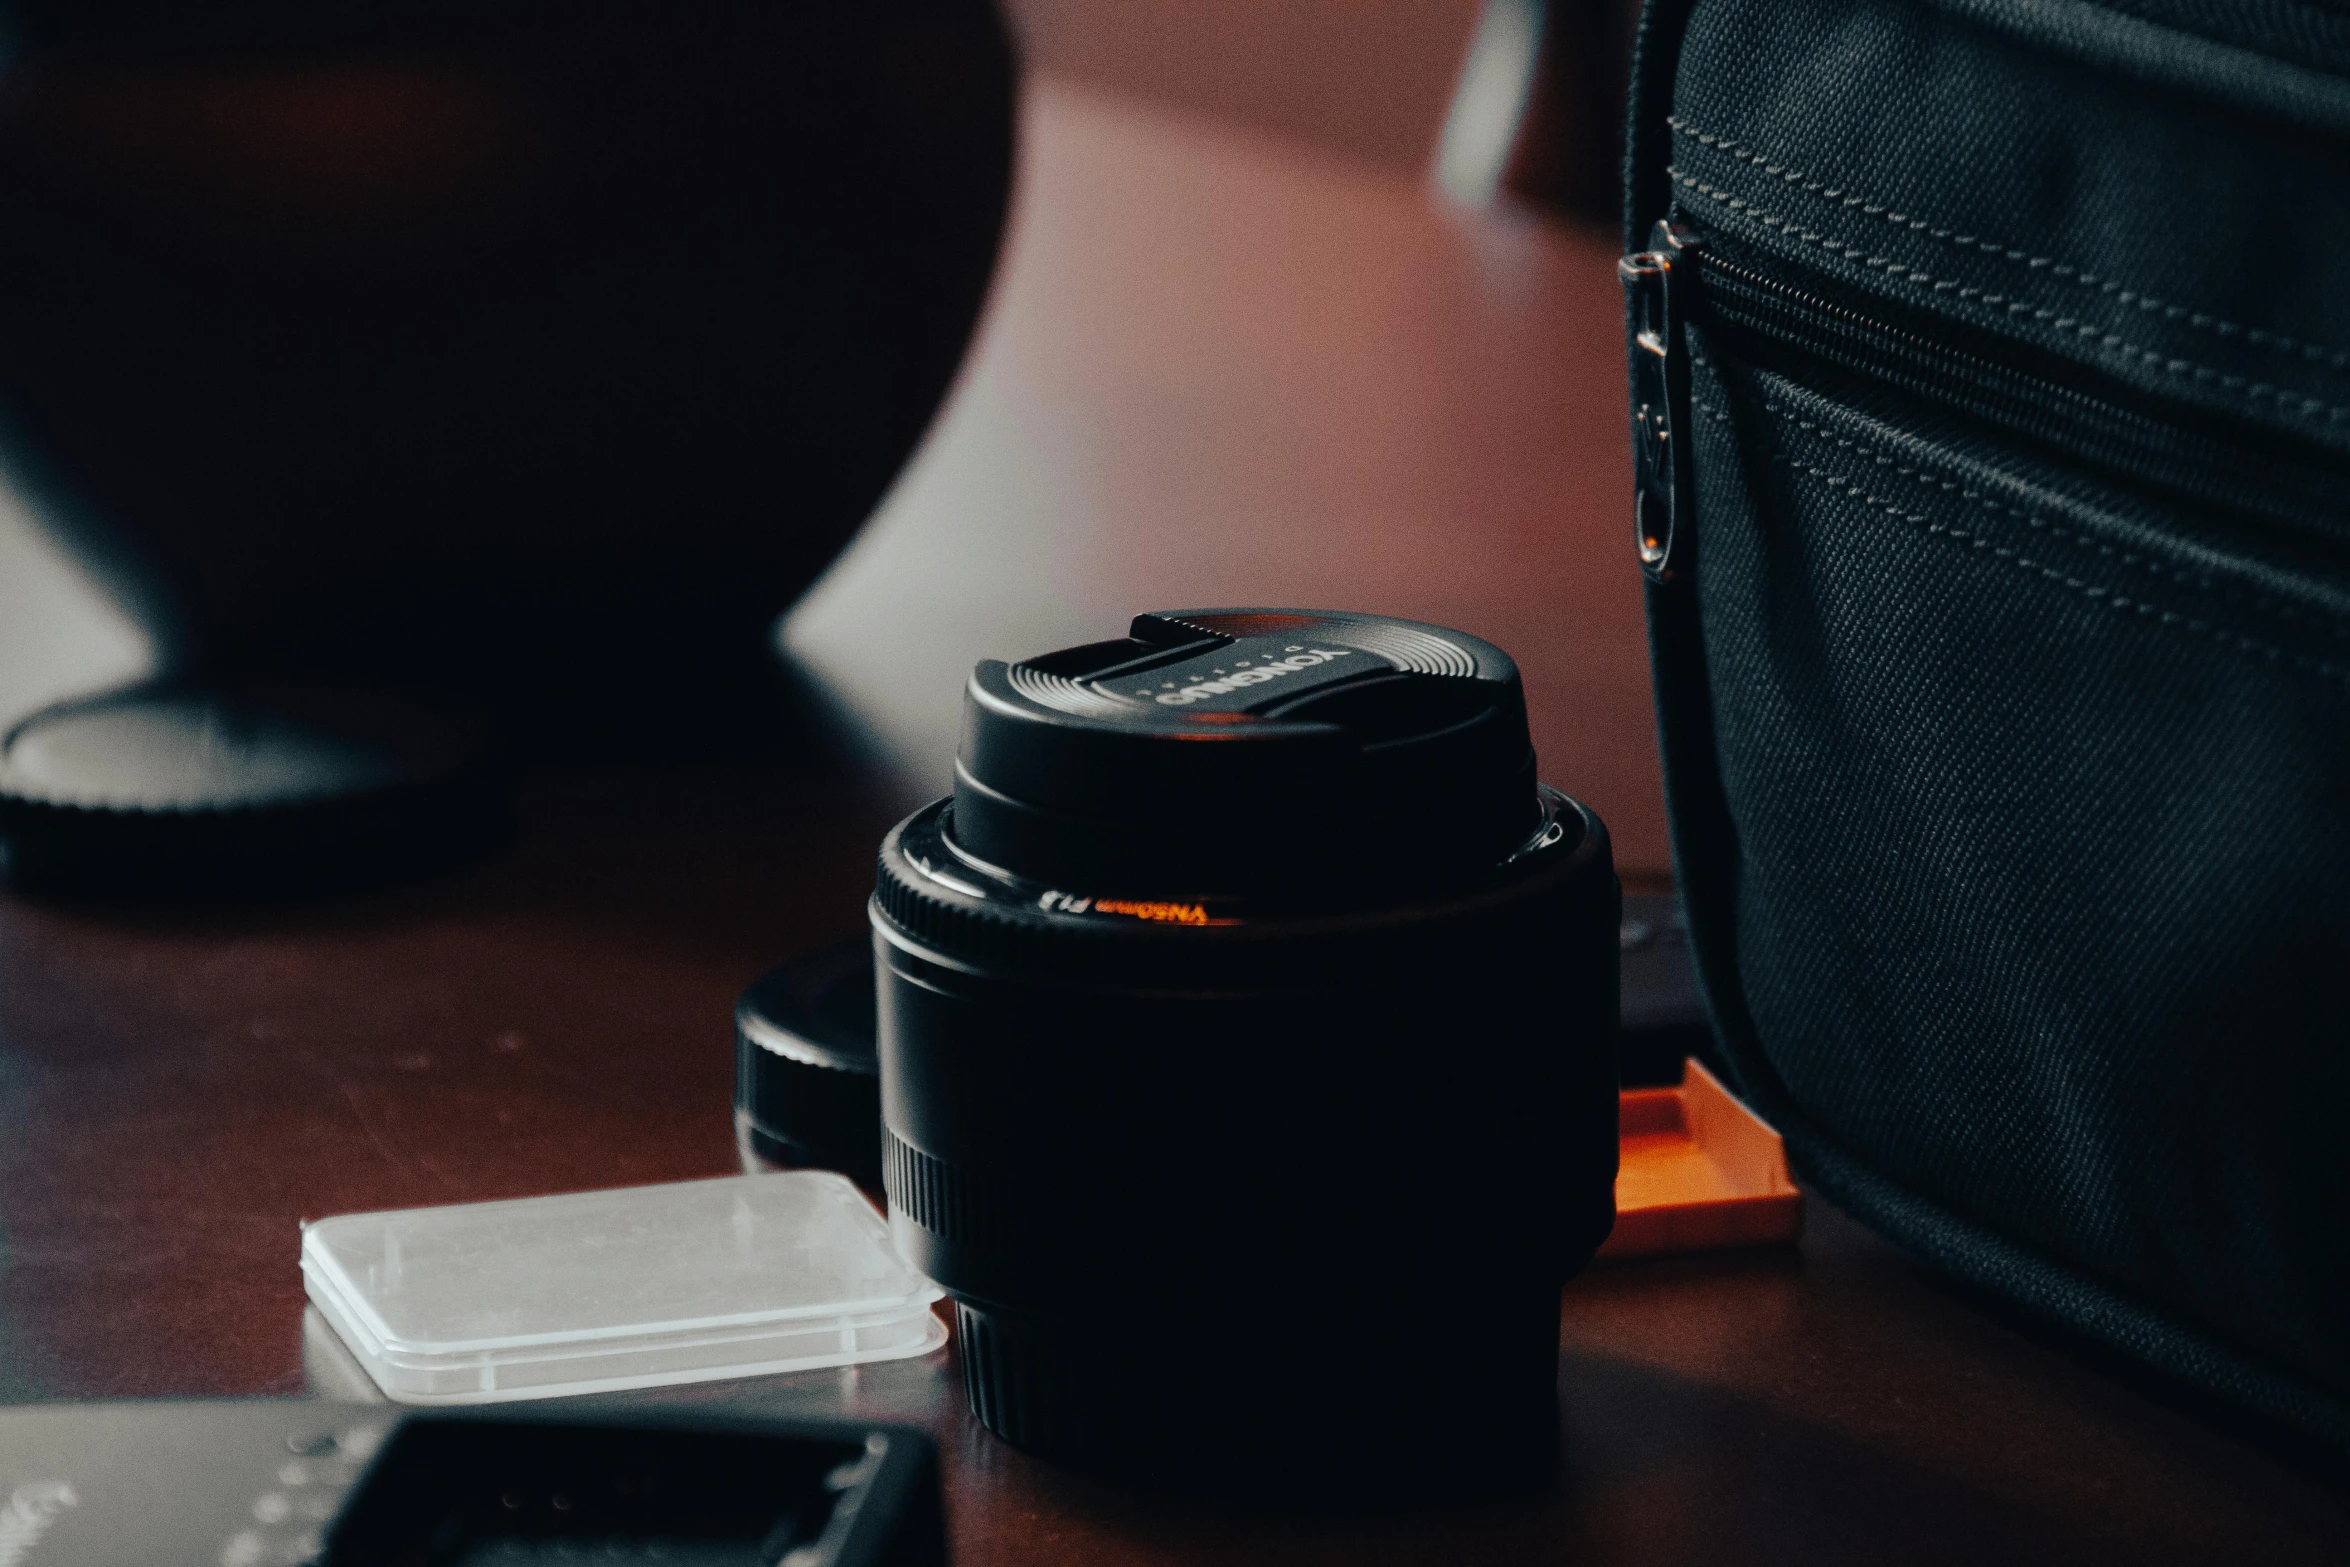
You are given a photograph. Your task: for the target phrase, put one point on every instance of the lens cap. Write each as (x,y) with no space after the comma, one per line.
(1247,752)
(224,792)
(807,1078)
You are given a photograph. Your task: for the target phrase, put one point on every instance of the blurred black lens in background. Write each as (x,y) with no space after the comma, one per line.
(539,353)
(397,336)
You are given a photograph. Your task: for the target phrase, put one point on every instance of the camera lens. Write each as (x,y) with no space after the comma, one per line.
(1247,1026)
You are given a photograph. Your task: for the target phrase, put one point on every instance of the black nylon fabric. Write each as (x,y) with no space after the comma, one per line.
(2011,786)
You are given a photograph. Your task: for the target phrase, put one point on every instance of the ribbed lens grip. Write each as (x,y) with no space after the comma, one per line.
(939,1197)
(1021,1384)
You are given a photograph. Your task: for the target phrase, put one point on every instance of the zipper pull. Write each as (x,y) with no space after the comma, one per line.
(1656,299)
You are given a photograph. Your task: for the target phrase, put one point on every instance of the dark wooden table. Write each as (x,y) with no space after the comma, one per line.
(1218,372)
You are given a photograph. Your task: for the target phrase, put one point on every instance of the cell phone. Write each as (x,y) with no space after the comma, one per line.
(290,1483)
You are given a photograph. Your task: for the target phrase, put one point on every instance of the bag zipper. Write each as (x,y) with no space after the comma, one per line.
(1660,397)
(2267,475)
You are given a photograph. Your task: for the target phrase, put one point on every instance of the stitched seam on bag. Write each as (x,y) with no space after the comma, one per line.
(2120,603)
(2329,625)
(2112,288)
(2289,402)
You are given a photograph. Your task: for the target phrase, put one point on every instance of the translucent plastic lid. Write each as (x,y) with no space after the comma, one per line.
(741,1276)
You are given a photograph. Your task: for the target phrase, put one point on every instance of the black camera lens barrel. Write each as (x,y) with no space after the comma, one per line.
(1247,1031)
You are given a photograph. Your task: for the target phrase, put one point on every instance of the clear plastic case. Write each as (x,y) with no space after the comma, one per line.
(593,1291)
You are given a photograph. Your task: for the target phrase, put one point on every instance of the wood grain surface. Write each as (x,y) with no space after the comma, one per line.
(1217,371)
(1221,369)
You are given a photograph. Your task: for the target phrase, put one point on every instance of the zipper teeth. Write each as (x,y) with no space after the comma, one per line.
(1941,353)
(2297,490)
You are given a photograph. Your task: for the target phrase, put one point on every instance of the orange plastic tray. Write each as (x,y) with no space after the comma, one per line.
(1698,1171)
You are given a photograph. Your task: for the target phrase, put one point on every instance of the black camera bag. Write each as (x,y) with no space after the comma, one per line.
(1992,402)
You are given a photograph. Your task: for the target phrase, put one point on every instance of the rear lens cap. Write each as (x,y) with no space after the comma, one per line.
(807,1078)
(211,793)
